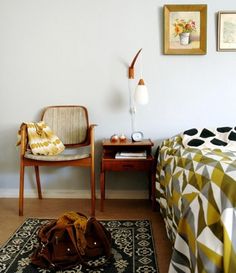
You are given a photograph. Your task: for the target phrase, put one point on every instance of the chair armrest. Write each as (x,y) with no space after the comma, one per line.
(91,133)
(23,139)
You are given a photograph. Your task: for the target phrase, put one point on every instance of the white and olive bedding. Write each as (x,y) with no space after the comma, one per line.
(196,190)
(223,138)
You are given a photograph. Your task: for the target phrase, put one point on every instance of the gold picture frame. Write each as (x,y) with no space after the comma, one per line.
(185,28)
(226,31)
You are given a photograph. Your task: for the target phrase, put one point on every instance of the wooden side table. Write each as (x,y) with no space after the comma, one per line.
(110,163)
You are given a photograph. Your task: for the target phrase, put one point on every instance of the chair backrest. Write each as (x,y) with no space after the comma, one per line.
(70,123)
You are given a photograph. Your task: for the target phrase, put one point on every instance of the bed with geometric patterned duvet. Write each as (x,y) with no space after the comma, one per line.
(196,190)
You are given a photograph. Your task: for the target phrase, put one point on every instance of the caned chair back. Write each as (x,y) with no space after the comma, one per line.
(69,123)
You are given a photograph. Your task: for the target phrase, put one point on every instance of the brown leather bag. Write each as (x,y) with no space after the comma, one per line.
(72,239)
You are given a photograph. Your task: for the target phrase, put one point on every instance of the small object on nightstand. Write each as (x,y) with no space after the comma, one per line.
(123,137)
(114,138)
(137,136)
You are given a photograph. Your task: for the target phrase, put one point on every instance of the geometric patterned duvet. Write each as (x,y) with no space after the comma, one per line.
(196,190)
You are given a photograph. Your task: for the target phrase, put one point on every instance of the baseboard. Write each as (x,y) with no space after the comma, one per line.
(73,194)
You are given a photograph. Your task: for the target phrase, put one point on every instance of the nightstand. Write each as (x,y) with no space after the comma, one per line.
(109,162)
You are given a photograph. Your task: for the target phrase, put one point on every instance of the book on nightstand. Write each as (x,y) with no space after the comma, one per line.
(131,155)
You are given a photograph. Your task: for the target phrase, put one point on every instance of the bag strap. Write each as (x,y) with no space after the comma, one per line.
(102,233)
(81,258)
(45,231)
(44,240)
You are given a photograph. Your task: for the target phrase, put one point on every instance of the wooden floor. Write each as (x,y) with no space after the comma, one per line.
(114,209)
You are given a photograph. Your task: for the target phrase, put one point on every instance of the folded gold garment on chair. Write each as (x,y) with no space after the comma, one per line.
(41,139)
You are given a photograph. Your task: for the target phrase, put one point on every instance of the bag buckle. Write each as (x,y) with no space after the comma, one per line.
(43,245)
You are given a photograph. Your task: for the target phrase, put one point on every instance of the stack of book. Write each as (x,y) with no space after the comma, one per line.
(131,155)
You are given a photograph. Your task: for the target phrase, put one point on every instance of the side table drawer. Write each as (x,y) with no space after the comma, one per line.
(127,165)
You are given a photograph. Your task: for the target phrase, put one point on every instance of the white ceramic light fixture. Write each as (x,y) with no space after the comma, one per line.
(141,93)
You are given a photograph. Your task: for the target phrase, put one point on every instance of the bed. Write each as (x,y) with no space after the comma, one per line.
(196,191)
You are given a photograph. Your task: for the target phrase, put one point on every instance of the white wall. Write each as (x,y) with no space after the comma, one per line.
(77,52)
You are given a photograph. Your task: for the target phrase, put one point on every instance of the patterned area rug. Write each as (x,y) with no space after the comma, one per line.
(132,246)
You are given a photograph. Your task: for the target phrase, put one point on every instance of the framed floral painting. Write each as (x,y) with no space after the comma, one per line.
(226,31)
(185,29)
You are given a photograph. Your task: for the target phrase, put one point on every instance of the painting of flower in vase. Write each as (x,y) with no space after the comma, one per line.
(185,29)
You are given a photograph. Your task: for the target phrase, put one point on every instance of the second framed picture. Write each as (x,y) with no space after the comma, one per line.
(185,29)
(226,31)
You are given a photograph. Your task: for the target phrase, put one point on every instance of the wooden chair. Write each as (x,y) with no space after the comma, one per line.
(71,125)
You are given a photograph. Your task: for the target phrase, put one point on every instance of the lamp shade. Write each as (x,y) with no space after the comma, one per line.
(141,93)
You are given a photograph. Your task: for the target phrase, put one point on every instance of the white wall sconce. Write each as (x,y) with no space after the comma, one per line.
(138,94)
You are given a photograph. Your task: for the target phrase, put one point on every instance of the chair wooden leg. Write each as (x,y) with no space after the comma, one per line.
(92,186)
(21,190)
(36,168)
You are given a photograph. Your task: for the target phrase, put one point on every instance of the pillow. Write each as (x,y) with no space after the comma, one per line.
(223,138)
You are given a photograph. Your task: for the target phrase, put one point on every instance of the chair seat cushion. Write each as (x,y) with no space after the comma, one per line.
(60,157)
